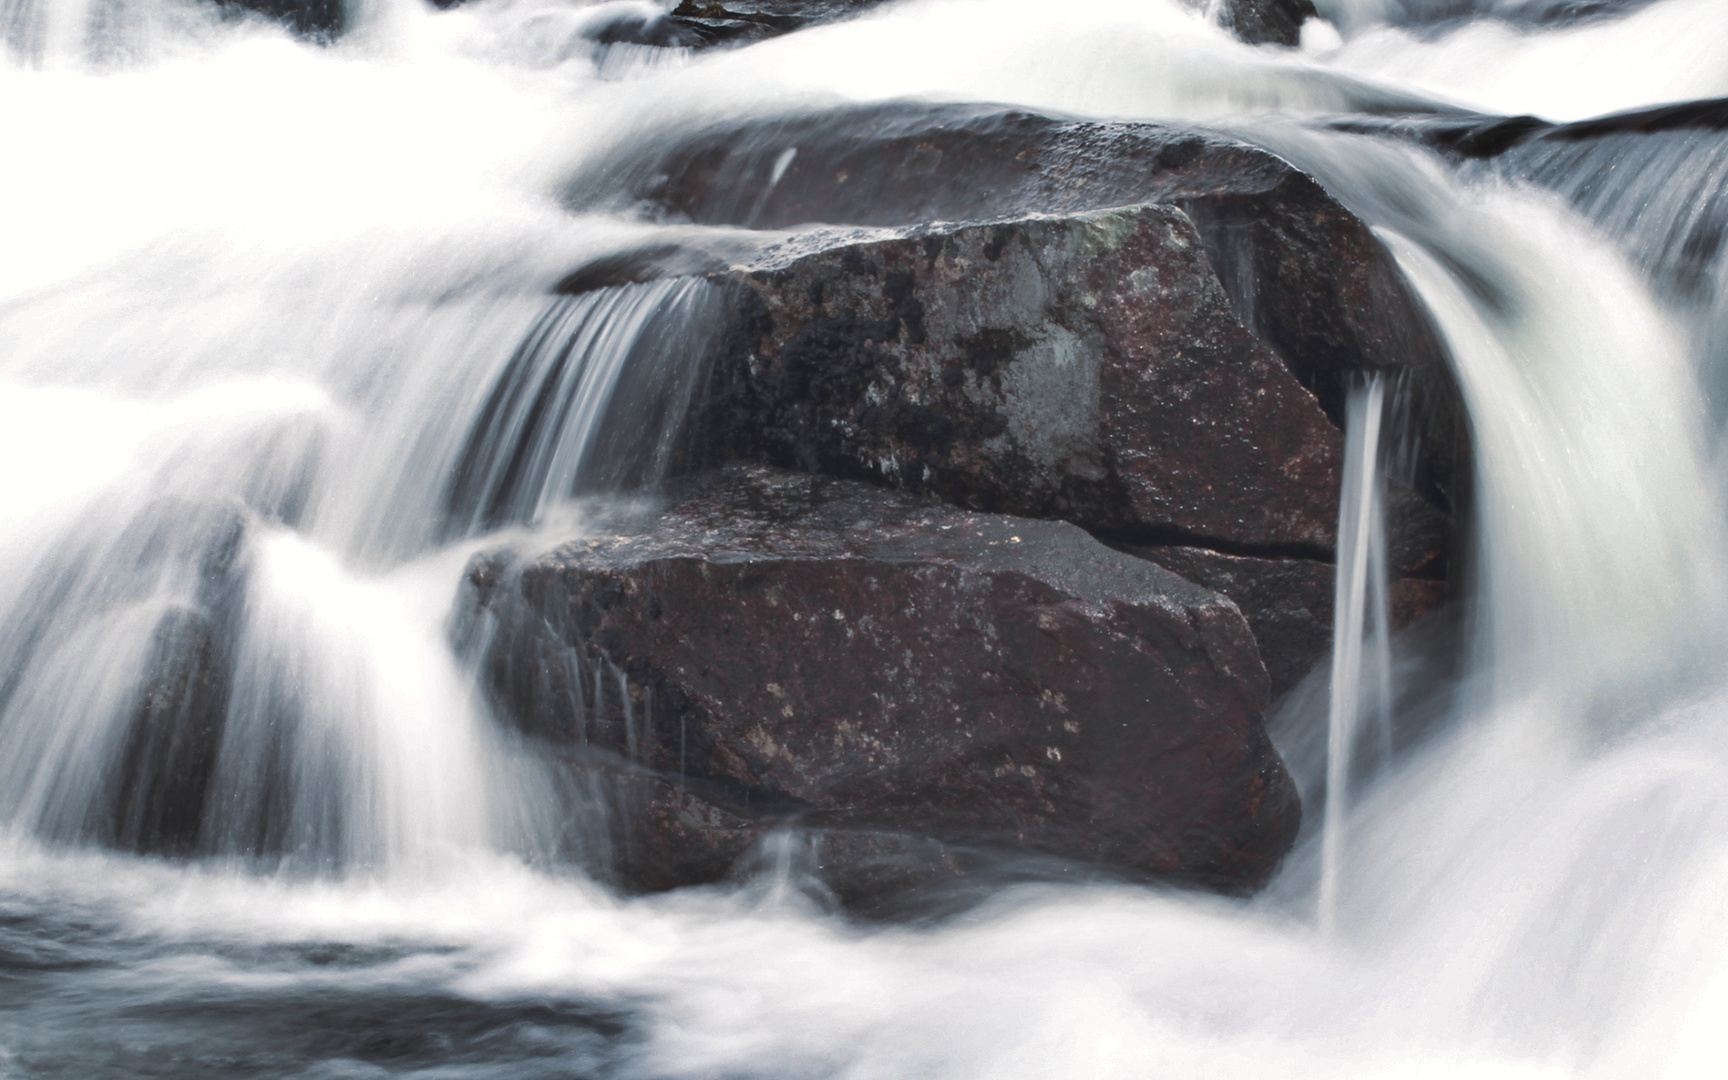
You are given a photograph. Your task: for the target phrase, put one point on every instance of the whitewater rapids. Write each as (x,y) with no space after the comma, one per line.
(248,279)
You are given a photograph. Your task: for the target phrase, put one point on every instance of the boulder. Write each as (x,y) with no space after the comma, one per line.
(1287,602)
(738,22)
(315,20)
(1301,273)
(1088,368)
(1267,22)
(917,682)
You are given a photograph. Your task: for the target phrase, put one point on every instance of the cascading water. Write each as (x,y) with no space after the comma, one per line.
(279,352)
(1360,686)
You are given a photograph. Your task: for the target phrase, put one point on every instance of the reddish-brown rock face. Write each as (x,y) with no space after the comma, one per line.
(875,665)
(1088,368)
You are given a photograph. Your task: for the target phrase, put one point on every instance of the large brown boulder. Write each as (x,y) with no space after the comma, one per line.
(912,679)
(930,357)
(1088,368)
(1302,273)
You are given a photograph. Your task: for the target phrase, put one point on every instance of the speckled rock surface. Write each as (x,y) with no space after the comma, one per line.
(1302,273)
(1087,368)
(1267,22)
(779,646)
(1288,602)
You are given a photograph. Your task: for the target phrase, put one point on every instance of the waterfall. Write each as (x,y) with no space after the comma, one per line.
(1361,685)
(282,348)
(542,435)
(265,698)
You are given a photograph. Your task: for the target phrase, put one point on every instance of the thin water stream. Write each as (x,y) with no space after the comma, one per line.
(262,299)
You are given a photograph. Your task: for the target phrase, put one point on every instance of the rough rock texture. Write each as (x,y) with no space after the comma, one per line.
(1088,368)
(890,397)
(318,20)
(739,22)
(1268,22)
(1288,602)
(913,679)
(1478,136)
(1302,273)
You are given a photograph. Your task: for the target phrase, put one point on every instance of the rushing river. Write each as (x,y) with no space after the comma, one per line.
(255,294)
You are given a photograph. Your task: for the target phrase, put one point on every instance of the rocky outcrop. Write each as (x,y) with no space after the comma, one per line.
(317,20)
(1267,22)
(740,22)
(1479,136)
(1087,368)
(1301,273)
(1288,602)
(916,681)
(932,357)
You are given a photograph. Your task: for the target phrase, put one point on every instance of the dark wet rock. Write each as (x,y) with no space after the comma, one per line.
(740,22)
(1087,368)
(1526,13)
(1301,273)
(1477,136)
(1267,22)
(1288,602)
(175,734)
(910,680)
(319,20)
(159,784)
(929,357)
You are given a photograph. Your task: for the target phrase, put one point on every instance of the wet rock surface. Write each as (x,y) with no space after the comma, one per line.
(1301,273)
(741,22)
(1267,22)
(1288,602)
(1482,136)
(1089,368)
(915,682)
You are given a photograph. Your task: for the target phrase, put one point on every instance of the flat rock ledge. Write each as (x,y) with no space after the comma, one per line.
(919,684)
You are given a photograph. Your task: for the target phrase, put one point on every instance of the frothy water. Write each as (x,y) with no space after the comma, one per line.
(279,350)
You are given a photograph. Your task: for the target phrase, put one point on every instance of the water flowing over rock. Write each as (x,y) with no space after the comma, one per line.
(912,680)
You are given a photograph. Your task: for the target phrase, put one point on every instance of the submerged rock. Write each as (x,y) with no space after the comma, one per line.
(913,680)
